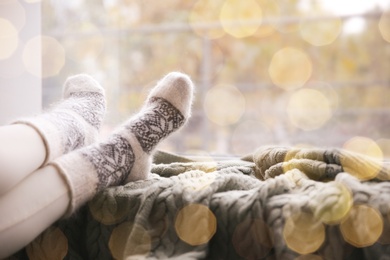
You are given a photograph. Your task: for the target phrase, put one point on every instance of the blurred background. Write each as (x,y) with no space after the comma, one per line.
(267,72)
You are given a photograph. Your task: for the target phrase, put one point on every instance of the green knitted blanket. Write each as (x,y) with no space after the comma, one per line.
(277,203)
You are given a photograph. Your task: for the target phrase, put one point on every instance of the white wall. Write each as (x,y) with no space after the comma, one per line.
(20,92)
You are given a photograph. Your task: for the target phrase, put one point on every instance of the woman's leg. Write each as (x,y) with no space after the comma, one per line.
(72,179)
(21,152)
(31,207)
(30,143)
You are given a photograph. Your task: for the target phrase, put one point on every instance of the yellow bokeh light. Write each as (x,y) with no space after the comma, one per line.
(270,10)
(51,244)
(102,211)
(362,168)
(224,105)
(286,10)
(47,49)
(195,224)
(129,239)
(384,26)
(337,202)
(290,68)
(365,146)
(124,14)
(84,47)
(14,12)
(320,33)
(251,239)
(241,18)
(384,145)
(206,11)
(309,109)
(9,39)
(363,226)
(303,233)
(329,92)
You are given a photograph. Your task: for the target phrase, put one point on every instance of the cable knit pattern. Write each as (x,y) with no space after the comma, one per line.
(296,214)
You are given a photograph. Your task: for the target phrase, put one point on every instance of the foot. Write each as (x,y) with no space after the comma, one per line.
(126,155)
(73,122)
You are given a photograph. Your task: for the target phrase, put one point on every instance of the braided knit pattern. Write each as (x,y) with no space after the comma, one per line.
(281,203)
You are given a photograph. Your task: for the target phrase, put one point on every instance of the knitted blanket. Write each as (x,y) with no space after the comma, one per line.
(277,203)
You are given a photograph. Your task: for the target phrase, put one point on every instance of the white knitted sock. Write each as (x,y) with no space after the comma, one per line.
(126,155)
(75,121)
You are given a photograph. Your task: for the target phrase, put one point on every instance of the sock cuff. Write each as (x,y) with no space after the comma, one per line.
(48,132)
(59,139)
(80,176)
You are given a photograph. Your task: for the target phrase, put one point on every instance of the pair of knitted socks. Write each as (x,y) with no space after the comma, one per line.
(70,130)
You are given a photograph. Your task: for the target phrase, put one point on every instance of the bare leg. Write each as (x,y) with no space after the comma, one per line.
(22,151)
(31,207)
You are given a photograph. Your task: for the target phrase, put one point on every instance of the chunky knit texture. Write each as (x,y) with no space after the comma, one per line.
(75,121)
(126,154)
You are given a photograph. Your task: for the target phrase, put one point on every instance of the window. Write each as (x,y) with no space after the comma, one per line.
(268,72)
(20,54)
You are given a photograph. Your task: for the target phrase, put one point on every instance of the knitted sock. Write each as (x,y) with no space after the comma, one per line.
(75,121)
(126,155)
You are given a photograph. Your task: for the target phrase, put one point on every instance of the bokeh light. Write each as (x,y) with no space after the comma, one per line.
(102,210)
(328,91)
(363,226)
(52,55)
(320,33)
(14,12)
(290,68)
(51,244)
(195,224)
(9,38)
(365,146)
(251,239)
(337,200)
(129,239)
(84,47)
(206,11)
(384,145)
(287,10)
(309,109)
(303,233)
(270,10)
(241,18)
(224,105)
(361,168)
(123,14)
(384,26)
